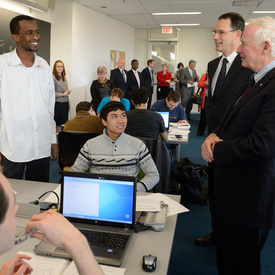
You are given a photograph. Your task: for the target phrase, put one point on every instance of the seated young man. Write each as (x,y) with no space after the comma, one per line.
(115,152)
(53,229)
(141,121)
(172,104)
(115,95)
(85,120)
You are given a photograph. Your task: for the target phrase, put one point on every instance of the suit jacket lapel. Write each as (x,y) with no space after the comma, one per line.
(254,90)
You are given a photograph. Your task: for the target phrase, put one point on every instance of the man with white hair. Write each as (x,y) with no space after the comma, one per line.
(243,152)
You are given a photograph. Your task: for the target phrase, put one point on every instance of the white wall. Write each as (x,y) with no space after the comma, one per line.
(83,38)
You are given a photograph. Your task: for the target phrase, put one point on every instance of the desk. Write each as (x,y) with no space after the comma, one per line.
(143,243)
(177,141)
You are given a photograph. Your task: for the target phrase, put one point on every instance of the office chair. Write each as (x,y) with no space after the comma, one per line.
(161,157)
(69,144)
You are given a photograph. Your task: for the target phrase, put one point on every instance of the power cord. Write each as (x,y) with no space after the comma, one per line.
(45,205)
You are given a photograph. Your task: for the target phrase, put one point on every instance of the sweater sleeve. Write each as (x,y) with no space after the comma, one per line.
(148,167)
(82,163)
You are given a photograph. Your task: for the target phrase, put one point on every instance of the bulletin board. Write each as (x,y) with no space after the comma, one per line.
(114,57)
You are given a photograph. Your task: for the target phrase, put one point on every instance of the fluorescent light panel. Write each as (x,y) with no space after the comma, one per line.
(176,13)
(263,11)
(175,25)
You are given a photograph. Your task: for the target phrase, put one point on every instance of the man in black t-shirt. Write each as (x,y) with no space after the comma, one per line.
(143,122)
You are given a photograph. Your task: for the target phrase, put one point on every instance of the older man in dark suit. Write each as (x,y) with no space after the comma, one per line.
(243,152)
(221,97)
(119,77)
(148,78)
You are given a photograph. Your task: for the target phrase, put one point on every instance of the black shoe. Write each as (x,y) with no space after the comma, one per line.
(205,240)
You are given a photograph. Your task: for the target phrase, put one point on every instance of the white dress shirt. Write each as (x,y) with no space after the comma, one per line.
(230,59)
(27,98)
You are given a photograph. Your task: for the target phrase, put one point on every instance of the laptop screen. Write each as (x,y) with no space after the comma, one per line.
(165,116)
(98,199)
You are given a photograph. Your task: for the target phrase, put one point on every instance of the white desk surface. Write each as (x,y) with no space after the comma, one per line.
(148,242)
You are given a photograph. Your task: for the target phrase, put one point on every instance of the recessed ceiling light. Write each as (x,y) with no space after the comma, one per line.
(175,25)
(175,13)
(263,11)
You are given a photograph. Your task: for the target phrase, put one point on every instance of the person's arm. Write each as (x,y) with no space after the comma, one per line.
(175,77)
(182,116)
(16,266)
(164,136)
(95,94)
(161,79)
(202,82)
(54,229)
(54,151)
(148,167)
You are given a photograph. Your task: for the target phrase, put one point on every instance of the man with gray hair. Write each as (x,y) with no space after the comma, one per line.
(243,152)
(187,77)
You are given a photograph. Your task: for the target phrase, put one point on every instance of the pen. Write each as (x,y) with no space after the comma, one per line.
(24,237)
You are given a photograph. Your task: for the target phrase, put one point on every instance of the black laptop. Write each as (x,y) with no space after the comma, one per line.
(102,207)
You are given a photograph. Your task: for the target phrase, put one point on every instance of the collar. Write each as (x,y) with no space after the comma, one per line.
(230,57)
(264,70)
(121,137)
(15,60)
(82,114)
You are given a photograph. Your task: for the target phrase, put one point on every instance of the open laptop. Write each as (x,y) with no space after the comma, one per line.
(101,203)
(165,115)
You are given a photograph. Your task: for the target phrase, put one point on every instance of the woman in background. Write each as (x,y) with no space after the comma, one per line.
(176,76)
(203,84)
(100,87)
(164,79)
(61,109)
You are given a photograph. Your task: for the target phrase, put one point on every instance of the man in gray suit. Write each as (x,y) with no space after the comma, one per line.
(188,75)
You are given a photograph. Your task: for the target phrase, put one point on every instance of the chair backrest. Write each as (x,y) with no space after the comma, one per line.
(69,144)
(162,159)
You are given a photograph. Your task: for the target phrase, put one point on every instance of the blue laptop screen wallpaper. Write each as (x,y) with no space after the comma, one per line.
(98,199)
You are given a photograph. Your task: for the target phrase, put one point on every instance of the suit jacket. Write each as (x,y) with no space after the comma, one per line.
(244,174)
(184,77)
(132,81)
(234,82)
(118,81)
(147,79)
(162,79)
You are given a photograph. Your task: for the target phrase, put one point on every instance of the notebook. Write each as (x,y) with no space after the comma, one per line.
(102,203)
(165,116)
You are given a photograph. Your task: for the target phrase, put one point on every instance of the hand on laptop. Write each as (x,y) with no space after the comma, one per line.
(57,230)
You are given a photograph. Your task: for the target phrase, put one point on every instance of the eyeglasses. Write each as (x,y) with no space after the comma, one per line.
(221,33)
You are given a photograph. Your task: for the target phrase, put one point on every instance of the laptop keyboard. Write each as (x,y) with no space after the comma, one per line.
(105,239)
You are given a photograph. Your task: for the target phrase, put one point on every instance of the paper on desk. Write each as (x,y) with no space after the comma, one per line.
(176,131)
(107,270)
(52,197)
(192,85)
(143,204)
(183,126)
(45,265)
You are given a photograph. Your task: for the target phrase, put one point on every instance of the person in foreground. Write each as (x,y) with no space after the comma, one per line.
(243,153)
(115,152)
(171,104)
(53,228)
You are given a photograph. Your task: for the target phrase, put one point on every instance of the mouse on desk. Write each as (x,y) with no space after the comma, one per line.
(149,263)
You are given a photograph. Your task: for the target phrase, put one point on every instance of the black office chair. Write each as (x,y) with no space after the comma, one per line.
(69,144)
(162,159)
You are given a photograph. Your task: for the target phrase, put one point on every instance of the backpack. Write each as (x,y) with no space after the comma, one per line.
(186,181)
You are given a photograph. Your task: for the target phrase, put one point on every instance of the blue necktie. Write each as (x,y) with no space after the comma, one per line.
(220,78)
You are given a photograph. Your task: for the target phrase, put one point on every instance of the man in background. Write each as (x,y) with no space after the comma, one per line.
(148,79)
(187,76)
(26,85)
(119,77)
(142,122)
(85,120)
(171,104)
(234,77)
